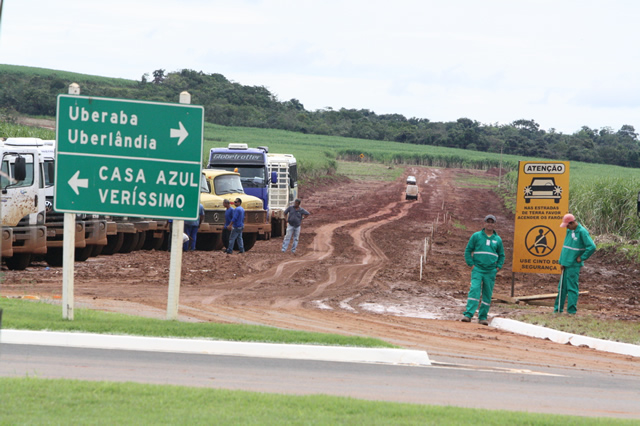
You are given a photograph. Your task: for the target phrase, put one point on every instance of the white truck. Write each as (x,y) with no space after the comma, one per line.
(22,202)
(90,230)
(284,191)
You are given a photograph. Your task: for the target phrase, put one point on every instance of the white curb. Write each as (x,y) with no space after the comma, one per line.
(563,338)
(216,347)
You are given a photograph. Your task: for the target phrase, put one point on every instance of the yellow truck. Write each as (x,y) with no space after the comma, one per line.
(216,186)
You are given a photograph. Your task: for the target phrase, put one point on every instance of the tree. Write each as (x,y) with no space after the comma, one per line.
(158,76)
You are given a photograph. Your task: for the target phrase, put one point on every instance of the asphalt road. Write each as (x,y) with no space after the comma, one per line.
(508,387)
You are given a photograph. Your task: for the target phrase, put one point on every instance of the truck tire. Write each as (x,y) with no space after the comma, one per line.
(114,242)
(153,243)
(278,228)
(129,243)
(18,262)
(142,237)
(53,256)
(83,253)
(97,250)
(248,239)
(209,242)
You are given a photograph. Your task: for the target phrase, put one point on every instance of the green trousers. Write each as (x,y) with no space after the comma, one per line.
(568,290)
(482,283)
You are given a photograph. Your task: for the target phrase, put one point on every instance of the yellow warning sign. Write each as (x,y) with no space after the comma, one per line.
(542,200)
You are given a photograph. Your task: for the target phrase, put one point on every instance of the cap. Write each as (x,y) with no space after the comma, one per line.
(490,216)
(567,219)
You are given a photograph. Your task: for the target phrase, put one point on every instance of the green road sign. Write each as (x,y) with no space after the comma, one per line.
(130,158)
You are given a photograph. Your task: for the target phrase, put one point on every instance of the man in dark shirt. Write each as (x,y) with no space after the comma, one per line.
(236,226)
(294,216)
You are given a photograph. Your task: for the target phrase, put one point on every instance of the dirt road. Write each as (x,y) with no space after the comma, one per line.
(357,272)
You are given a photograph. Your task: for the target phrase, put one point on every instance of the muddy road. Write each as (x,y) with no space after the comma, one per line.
(357,272)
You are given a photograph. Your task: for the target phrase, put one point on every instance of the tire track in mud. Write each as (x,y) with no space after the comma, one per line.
(357,273)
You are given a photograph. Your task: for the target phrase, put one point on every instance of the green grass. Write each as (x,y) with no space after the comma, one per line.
(56,401)
(369,171)
(38,315)
(18,131)
(470,181)
(67,75)
(587,325)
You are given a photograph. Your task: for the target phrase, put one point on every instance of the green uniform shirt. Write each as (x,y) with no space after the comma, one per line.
(485,252)
(577,243)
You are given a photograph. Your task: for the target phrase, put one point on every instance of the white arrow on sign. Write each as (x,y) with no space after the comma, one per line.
(179,133)
(75,182)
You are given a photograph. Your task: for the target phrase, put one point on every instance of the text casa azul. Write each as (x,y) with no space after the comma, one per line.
(144,198)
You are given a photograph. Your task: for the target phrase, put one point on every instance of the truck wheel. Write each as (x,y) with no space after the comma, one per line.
(54,256)
(114,242)
(249,240)
(97,250)
(18,262)
(129,243)
(209,242)
(142,237)
(278,228)
(153,243)
(83,253)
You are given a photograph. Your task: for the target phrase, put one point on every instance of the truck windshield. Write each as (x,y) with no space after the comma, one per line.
(227,184)
(251,176)
(204,184)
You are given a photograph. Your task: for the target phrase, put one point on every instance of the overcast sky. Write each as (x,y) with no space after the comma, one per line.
(562,63)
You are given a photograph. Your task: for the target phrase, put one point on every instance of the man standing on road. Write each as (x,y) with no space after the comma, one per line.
(293,215)
(228,217)
(191,229)
(236,226)
(578,247)
(485,254)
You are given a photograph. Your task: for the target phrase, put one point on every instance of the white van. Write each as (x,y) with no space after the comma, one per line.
(412,192)
(411,180)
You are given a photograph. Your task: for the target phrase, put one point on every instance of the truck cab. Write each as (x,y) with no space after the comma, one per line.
(22,201)
(251,165)
(216,186)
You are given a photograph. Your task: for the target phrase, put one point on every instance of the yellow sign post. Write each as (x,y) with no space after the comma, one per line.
(542,201)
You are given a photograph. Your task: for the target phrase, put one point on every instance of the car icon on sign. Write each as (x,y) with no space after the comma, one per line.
(543,188)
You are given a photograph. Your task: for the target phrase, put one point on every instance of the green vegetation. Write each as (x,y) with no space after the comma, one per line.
(369,171)
(34,90)
(17,131)
(602,197)
(47,401)
(587,325)
(34,315)
(471,181)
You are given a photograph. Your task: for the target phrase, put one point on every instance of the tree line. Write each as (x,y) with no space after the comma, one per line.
(232,104)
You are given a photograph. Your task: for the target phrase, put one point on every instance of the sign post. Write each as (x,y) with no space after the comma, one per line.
(542,201)
(128,158)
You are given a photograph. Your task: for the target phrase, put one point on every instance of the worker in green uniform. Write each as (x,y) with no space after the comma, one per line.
(578,247)
(485,254)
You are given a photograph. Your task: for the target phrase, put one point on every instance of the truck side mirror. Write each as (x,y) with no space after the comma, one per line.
(20,169)
(274,177)
(52,171)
